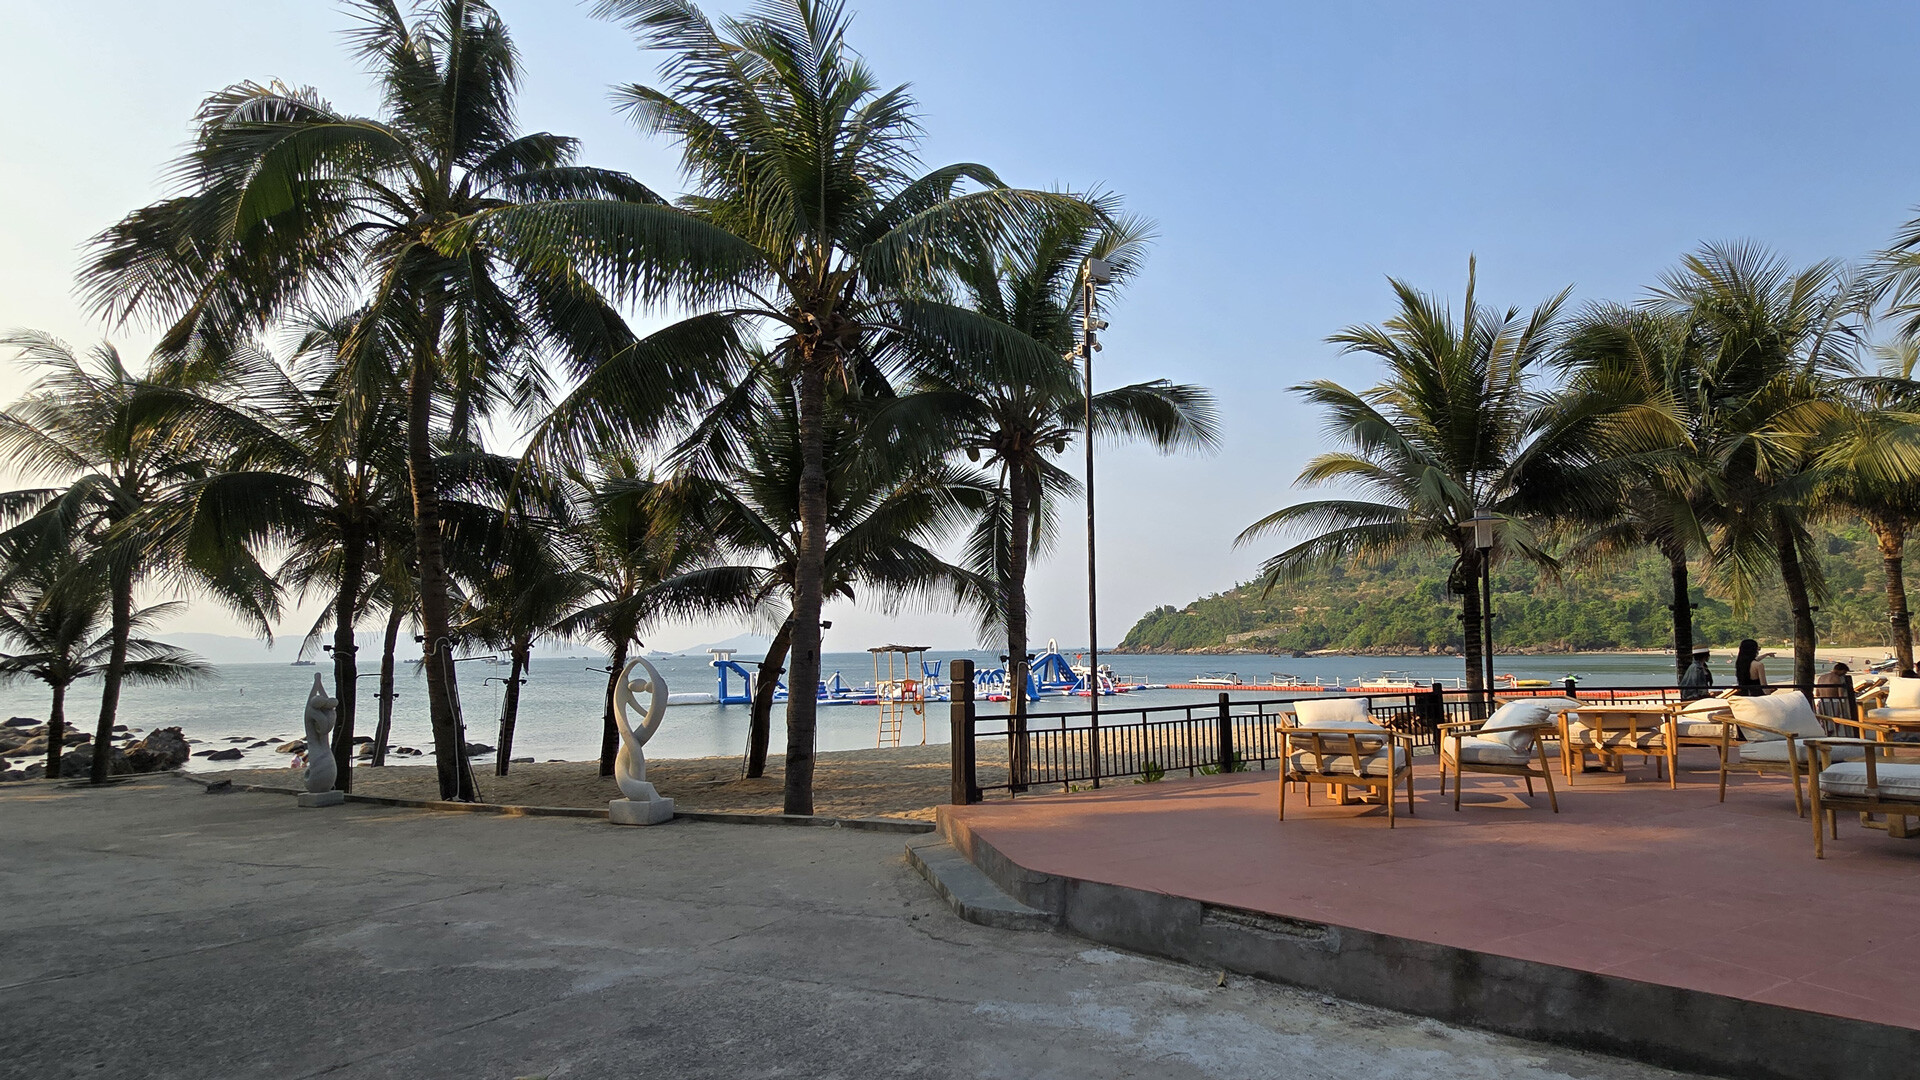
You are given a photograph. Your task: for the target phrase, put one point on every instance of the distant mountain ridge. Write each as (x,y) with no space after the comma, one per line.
(1401,606)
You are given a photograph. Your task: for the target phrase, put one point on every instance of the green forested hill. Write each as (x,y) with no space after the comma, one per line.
(1403,606)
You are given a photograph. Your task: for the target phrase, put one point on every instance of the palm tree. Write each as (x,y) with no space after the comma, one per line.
(530,590)
(1455,425)
(807,223)
(1637,375)
(114,438)
(1870,473)
(1774,340)
(453,226)
(887,501)
(312,467)
(1017,418)
(623,547)
(54,615)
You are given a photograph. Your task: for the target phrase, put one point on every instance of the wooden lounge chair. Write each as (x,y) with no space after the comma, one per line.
(1335,742)
(1873,784)
(1703,722)
(1504,744)
(1777,729)
(1884,708)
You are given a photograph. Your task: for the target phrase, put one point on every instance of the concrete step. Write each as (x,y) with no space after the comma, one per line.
(972,895)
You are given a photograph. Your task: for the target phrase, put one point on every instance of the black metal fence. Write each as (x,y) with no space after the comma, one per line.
(1069,749)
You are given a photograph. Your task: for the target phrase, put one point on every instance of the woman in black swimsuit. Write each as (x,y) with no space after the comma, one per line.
(1749,674)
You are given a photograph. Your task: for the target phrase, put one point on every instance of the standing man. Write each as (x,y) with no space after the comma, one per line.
(1698,681)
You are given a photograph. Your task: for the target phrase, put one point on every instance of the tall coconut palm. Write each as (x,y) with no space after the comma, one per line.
(311,467)
(1455,424)
(55,621)
(114,440)
(1016,419)
(1638,374)
(1870,475)
(1774,340)
(531,589)
(888,502)
(807,224)
(622,547)
(288,200)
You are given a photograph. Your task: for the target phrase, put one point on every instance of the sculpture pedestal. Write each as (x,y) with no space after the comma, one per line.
(640,811)
(322,798)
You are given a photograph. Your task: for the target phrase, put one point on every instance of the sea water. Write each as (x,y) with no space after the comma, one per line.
(562,701)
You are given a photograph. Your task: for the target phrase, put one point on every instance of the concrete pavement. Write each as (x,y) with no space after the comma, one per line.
(158,931)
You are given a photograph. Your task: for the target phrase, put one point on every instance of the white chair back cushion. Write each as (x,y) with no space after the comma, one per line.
(1515,714)
(1555,704)
(1788,711)
(1334,712)
(1903,694)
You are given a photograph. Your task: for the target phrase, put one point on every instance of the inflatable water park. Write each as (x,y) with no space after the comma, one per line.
(903,673)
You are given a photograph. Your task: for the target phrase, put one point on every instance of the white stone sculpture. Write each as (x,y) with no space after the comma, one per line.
(643,804)
(321,768)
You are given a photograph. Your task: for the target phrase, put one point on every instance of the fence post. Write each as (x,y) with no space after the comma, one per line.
(1571,686)
(1017,725)
(960,715)
(1226,736)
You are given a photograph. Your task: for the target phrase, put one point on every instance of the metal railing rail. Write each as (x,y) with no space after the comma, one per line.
(998,751)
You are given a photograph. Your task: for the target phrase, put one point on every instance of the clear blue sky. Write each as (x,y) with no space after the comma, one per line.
(1293,154)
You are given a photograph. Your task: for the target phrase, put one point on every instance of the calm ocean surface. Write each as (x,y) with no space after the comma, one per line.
(561,703)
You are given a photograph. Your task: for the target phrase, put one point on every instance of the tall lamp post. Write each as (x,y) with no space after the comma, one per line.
(1099,273)
(1482,524)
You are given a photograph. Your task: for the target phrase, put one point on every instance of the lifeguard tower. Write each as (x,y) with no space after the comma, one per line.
(902,692)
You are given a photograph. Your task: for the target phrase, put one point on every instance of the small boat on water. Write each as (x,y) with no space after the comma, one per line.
(1216,678)
(303,663)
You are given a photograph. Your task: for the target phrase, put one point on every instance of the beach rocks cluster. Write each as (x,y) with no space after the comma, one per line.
(23,748)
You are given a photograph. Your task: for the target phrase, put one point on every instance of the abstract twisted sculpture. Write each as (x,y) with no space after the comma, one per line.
(643,804)
(321,768)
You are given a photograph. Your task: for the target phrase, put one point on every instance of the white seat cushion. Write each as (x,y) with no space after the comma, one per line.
(1774,752)
(1376,764)
(1789,712)
(1514,714)
(1903,693)
(1694,728)
(1334,712)
(1893,715)
(1897,781)
(1476,750)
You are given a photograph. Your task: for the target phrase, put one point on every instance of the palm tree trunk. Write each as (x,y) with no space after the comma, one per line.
(1795,580)
(809,576)
(115,673)
(383,730)
(610,734)
(1019,519)
(1682,611)
(510,708)
(56,730)
(1893,556)
(1470,623)
(435,620)
(346,675)
(760,726)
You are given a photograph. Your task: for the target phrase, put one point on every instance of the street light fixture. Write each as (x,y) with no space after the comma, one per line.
(1099,272)
(1482,523)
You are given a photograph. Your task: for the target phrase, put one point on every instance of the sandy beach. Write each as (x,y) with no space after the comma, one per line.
(906,782)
